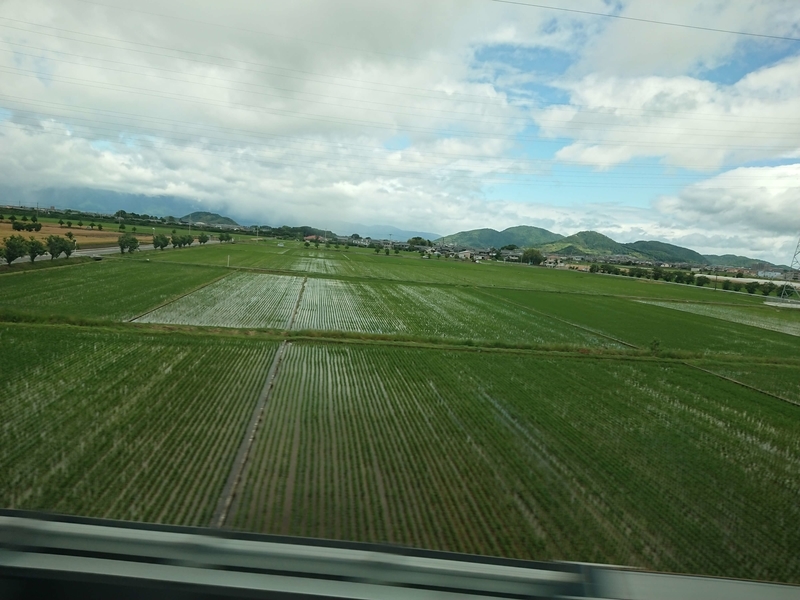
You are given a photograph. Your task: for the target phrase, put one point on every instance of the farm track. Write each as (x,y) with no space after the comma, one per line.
(234,477)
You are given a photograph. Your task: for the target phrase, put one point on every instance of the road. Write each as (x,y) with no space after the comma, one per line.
(108,250)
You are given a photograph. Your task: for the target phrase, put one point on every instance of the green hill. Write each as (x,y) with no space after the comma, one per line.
(523,236)
(588,243)
(664,252)
(731,260)
(208,218)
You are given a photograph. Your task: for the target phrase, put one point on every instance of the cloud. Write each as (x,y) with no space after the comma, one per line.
(758,199)
(410,113)
(684,121)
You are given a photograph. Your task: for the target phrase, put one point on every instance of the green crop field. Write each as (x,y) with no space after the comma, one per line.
(639,324)
(784,320)
(121,425)
(360,263)
(116,289)
(238,300)
(495,408)
(637,463)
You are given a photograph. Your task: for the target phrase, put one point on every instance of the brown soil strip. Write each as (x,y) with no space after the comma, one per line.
(235,475)
(297,304)
(171,300)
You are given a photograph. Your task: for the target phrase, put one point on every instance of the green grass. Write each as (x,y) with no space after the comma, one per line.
(656,466)
(358,264)
(780,380)
(115,289)
(121,425)
(784,320)
(639,324)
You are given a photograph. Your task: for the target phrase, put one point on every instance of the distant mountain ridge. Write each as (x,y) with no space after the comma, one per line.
(592,243)
(208,218)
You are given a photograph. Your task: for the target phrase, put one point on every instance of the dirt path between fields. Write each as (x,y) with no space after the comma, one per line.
(237,469)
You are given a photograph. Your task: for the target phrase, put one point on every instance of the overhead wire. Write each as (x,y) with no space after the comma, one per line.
(346,121)
(249,133)
(651,21)
(538,120)
(447,96)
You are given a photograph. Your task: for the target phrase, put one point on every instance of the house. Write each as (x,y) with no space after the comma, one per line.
(465,255)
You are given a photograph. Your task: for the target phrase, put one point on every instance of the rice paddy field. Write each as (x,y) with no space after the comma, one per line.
(494,409)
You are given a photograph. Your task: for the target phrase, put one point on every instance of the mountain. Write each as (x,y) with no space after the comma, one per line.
(589,243)
(731,260)
(523,236)
(381,232)
(664,252)
(208,218)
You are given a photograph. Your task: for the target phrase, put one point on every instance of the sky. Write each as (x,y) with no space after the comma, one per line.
(439,116)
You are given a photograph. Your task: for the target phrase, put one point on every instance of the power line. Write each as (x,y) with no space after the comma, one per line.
(356,164)
(443,176)
(355,122)
(652,21)
(216,57)
(511,121)
(27,102)
(262,32)
(486,100)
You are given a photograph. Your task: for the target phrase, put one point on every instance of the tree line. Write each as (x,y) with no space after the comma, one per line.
(17,246)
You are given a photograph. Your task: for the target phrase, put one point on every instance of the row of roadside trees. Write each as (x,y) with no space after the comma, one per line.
(17,246)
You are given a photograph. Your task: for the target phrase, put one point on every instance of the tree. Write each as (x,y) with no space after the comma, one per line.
(69,224)
(702,280)
(594,268)
(16,247)
(55,245)
(509,247)
(99,227)
(307,244)
(397,250)
(377,249)
(91,225)
(387,251)
(80,222)
(751,286)
(127,241)
(133,229)
(34,219)
(225,237)
(768,287)
(532,256)
(70,235)
(24,218)
(160,241)
(61,222)
(355,236)
(35,248)
(122,227)
(2,217)
(202,238)
(726,285)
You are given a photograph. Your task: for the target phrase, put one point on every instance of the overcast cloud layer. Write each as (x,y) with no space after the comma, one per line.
(435,116)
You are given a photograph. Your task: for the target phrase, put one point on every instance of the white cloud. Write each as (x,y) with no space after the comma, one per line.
(304,120)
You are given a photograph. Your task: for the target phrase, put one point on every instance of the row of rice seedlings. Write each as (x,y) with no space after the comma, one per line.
(240,300)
